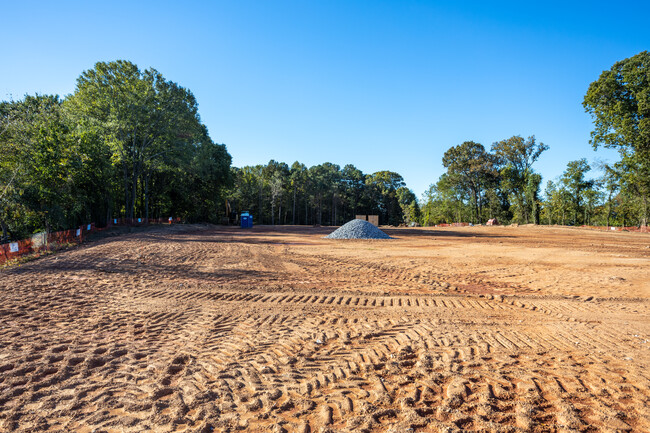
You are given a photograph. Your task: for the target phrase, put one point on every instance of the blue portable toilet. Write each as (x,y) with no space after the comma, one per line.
(246,220)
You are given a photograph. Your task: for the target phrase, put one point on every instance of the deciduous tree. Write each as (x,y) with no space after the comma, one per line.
(516,157)
(473,167)
(619,104)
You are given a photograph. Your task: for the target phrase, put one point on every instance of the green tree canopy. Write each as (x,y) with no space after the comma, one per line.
(39,166)
(145,120)
(516,157)
(473,167)
(574,181)
(126,142)
(619,104)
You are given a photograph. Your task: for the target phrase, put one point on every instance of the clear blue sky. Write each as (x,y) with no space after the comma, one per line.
(382,85)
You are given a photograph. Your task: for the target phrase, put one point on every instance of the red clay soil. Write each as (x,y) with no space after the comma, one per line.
(202,329)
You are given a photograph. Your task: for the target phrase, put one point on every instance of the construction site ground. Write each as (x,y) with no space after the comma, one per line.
(215,329)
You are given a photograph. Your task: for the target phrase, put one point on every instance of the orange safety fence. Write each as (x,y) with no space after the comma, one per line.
(142,221)
(15,249)
(63,237)
(39,242)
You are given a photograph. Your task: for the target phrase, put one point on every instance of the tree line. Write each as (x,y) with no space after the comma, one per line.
(502,184)
(127,143)
(479,185)
(324,194)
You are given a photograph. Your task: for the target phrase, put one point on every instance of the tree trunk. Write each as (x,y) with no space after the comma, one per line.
(320,211)
(259,207)
(146,198)
(126,192)
(109,210)
(525,209)
(134,190)
(475,196)
(134,182)
(293,214)
(141,201)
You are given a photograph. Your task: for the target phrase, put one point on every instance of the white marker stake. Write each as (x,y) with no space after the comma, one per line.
(13,247)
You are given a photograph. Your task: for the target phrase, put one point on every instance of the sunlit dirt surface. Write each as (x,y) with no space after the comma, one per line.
(202,329)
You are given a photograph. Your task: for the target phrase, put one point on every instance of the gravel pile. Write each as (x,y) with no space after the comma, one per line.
(357,229)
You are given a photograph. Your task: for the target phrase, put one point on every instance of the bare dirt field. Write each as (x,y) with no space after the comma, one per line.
(201,329)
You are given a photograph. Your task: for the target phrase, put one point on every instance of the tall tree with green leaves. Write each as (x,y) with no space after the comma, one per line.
(208,178)
(333,181)
(142,117)
(41,167)
(276,177)
(444,202)
(298,179)
(548,208)
(353,185)
(408,202)
(557,204)
(574,181)
(383,186)
(516,157)
(610,180)
(532,195)
(619,104)
(472,166)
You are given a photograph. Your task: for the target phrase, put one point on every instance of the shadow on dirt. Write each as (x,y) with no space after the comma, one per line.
(261,234)
(134,267)
(207,233)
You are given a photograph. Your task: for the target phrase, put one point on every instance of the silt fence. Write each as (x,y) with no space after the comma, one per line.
(44,241)
(47,241)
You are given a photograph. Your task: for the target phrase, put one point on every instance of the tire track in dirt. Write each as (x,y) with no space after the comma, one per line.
(418,276)
(167,333)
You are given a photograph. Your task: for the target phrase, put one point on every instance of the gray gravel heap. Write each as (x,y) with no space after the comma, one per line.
(357,229)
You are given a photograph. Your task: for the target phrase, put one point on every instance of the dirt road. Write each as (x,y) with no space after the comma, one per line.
(203,329)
